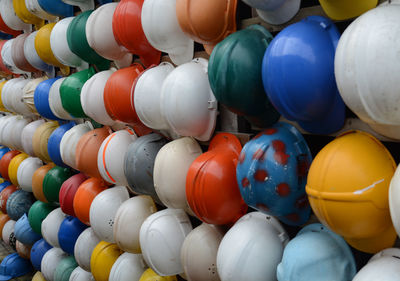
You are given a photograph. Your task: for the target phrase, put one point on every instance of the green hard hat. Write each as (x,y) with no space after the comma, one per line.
(77,42)
(234,72)
(37,213)
(65,268)
(53,180)
(70,92)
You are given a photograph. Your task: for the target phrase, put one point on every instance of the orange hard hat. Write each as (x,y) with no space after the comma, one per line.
(37,181)
(215,22)
(5,162)
(4,194)
(87,149)
(3,219)
(211,187)
(84,196)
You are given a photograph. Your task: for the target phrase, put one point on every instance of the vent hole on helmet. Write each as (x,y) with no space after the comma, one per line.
(322,228)
(268,217)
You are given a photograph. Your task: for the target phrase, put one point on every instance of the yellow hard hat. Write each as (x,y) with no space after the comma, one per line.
(346,9)
(2,108)
(23,13)
(13,167)
(103,257)
(1,181)
(43,47)
(150,275)
(38,277)
(41,138)
(348,189)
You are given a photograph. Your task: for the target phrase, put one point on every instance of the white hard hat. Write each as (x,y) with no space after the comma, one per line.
(128,267)
(14,96)
(394,200)
(34,7)
(10,18)
(14,131)
(92,97)
(69,142)
(51,225)
(3,122)
(28,93)
(6,56)
(252,248)
(162,30)
(98,27)
(103,210)
(128,220)
(32,56)
(187,101)
(371,92)
(6,92)
(27,136)
(55,101)
(50,261)
(161,238)
(25,172)
(170,180)
(199,253)
(84,247)
(84,5)
(6,131)
(110,158)
(4,134)
(78,274)
(8,229)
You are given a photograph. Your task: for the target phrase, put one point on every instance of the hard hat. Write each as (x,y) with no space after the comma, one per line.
(87,150)
(394,198)
(189,105)
(84,196)
(14,165)
(103,257)
(5,162)
(38,250)
(328,257)
(51,225)
(31,54)
(57,8)
(69,231)
(24,232)
(69,142)
(84,247)
(4,70)
(14,266)
(35,8)
(13,132)
(343,10)
(276,11)
(103,210)
(10,17)
(315,104)
(55,101)
(23,250)
(139,164)
(53,181)
(7,91)
(211,187)
(37,213)
(98,27)
(382,266)
(70,92)
(20,99)
(256,240)
(25,172)
(41,98)
(164,232)
(84,5)
(2,108)
(25,15)
(150,275)
(127,267)
(235,68)
(37,181)
(28,96)
(38,276)
(3,151)
(128,220)
(199,253)
(211,29)
(110,158)
(19,203)
(40,139)
(272,174)
(59,44)
(78,43)
(5,135)
(17,51)
(92,98)
(64,269)
(27,136)
(53,145)
(3,122)
(68,191)
(4,195)
(3,220)
(162,30)
(13,96)
(128,31)
(50,262)
(8,233)
(78,274)
(6,29)
(354,181)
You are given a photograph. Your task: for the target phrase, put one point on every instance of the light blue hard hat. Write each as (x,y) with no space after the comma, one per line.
(24,232)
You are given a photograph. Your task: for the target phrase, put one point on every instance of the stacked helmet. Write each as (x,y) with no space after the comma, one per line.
(19,203)
(18,54)
(27,136)
(64,268)
(56,7)
(53,181)
(6,57)
(53,146)
(84,5)
(127,267)
(5,162)
(35,8)
(37,181)
(78,274)
(25,15)
(6,29)
(343,10)
(38,250)
(41,138)
(15,132)
(8,233)
(24,232)
(23,250)
(14,266)
(14,165)
(41,98)
(103,257)
(50,262)
(38,276)
(84,247)
(32,56)
(28,96)
(68,233)
(275,12)
(55,101)
(51,225)
(394,199)
(37,213)
(3,220)
(10,18)
(150,275)
(68,191)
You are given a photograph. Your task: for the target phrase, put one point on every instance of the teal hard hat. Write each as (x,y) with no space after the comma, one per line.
(53,180)
(234,72)
(64,268)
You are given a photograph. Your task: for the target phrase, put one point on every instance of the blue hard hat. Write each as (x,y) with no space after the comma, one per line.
(41,98)
(4,185)
(68,233)
(37,252)
(272,173)
(298,75)
(3,151)
(316,254)
(57,8)
(5,36)
(19,203)
(14,266)
(24,233)
(53,145)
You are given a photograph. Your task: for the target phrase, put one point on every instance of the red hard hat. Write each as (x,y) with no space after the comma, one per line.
(211,187)
(3,68)
(18,54)
(68,191)
(128,31)
(5,162)
(4,28)
(4,194)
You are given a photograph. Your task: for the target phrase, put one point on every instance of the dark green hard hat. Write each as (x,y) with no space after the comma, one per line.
(53,180)
(37,213)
